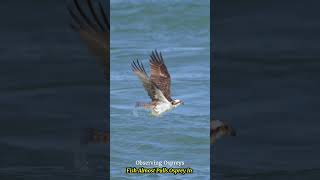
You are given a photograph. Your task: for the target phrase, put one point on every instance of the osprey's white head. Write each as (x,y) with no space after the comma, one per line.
(175,103)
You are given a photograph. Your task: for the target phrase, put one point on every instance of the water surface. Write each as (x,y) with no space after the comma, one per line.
(180,30)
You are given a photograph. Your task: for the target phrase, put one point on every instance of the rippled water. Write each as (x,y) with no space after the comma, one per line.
(267,87)
(180,30)
(52,89)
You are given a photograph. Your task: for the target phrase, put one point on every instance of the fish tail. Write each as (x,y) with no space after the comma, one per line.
(144,105)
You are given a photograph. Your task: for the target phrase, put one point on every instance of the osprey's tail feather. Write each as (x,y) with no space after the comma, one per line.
(144,105)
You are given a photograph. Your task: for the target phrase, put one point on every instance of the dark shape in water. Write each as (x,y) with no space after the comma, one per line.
(96,136)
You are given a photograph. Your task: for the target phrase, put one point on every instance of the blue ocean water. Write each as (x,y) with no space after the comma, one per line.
(52,89)
(180,30)
(267,86)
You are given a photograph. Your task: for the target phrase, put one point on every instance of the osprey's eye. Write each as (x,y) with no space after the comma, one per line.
(174,103)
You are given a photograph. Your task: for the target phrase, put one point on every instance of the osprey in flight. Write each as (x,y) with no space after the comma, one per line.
(220,129)
(91,22)
(157,85)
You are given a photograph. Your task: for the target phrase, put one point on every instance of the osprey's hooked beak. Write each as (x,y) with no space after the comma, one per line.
(181,102)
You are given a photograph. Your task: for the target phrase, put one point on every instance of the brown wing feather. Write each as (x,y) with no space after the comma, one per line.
(93,30)
(139,70)
(160,75)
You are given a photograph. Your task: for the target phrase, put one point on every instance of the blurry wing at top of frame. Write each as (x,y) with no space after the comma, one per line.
(91,22)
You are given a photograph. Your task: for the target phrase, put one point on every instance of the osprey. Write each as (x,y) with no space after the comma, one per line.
(157,85)
(93,26)
(91,22)
(219,129)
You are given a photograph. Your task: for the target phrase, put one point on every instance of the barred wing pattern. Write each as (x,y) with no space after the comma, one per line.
(160,75)
(93,26)
(139,70)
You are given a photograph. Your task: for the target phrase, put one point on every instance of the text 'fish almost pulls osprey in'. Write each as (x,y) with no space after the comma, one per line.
(157,86)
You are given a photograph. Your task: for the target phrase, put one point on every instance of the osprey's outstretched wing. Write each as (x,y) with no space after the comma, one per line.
(93,26)
(139,70)
(160,75)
